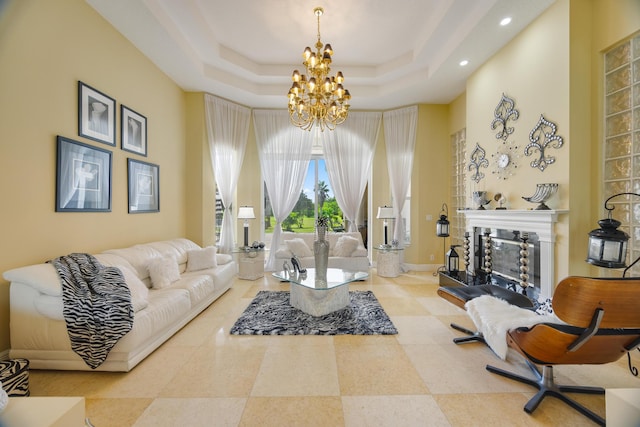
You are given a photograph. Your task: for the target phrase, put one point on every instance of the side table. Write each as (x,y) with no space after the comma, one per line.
(388,261)
(250,263)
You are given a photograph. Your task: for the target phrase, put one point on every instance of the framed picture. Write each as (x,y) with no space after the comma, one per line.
(144,186)
(83,178)
(134,131)
(96,115)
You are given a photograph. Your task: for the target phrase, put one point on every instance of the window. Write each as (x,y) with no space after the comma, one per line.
(621,153)
(316,197)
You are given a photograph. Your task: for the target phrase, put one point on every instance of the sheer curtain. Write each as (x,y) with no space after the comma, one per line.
(348,154)
(400,140)
(227,130)
(285,152)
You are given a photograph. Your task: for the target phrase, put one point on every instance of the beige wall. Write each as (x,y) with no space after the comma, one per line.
(45,48)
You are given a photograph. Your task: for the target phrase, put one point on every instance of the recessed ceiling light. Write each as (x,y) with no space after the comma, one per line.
(505,21)
(463,62)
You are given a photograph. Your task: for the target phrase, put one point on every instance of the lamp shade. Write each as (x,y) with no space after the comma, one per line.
(246,212)
(385,212)
(608,245)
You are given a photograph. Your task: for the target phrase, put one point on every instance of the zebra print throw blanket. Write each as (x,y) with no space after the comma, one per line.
(96,305)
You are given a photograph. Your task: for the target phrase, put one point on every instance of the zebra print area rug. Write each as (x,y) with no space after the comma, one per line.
(271,314)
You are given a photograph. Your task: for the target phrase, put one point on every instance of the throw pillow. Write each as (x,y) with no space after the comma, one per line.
(345,246)
(222,259)
(298,247)
(200,259)
(163,271)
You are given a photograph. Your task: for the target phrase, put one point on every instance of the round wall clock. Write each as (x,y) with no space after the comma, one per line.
(505,160)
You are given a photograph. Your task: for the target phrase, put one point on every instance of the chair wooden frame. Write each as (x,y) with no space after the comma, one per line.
(602,318)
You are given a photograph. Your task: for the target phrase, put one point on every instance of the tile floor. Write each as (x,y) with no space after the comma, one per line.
(205,377)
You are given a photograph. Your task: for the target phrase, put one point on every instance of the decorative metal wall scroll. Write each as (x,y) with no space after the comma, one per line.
(505,111)
(543,136)
(477,161)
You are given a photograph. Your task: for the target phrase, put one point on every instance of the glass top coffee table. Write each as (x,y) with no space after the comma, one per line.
(317,297)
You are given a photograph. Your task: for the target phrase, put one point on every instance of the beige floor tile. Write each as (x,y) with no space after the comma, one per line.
(227,371)
(406,411)
(307,370)
(402,306)
(421,330)
(320,411)
(506,409)
(115,412)
(460,369)
(192,412)
(377,370)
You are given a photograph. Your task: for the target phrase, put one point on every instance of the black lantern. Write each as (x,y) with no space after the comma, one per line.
(607,244)
(453,260)
(442,225)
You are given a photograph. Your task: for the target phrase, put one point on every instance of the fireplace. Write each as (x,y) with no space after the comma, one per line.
(505,229)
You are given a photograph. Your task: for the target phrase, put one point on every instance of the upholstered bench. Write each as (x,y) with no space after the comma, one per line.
(459,295)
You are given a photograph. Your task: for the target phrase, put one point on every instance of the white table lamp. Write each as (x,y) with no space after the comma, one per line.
(246,213)
(385,213)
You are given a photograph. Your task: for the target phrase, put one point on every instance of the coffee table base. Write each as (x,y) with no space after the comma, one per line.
(319,302)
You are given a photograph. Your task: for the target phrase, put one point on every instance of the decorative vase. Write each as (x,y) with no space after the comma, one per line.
(321,256)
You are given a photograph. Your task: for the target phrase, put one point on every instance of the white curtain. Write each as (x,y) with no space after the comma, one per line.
(400,140)
(348,154)
(285,152)
(227,130)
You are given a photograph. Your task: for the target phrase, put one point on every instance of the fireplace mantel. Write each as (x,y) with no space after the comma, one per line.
(541,222)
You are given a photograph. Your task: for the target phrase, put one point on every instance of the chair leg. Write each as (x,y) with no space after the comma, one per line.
(547,387)
(472,336)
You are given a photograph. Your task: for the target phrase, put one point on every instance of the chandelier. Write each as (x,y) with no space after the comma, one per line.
(319,100)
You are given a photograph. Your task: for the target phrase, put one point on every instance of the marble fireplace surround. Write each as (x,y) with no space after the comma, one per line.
(541,222)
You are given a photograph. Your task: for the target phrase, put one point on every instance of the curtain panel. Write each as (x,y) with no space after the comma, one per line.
(227,131)
(284,151)
(400,138)
(348,154)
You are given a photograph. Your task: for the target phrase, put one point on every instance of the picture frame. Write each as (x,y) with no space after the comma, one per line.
(83,177)
(144,186)
(96,115)
(133,128)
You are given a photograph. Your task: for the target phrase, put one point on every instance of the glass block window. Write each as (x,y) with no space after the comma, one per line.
(622,137)
(458,186)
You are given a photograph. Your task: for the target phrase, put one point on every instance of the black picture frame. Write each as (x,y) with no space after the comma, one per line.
(83,177)
(96,115)
(144,186)
(133,128)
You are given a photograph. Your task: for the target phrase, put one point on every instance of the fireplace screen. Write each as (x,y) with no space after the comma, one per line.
(505,255)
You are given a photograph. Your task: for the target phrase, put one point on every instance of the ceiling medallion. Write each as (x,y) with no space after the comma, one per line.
(318,100)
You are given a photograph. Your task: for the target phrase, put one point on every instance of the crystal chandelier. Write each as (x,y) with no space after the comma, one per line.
(321,100)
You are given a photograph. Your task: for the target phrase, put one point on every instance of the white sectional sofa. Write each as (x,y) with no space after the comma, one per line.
(346,250)
(161,305)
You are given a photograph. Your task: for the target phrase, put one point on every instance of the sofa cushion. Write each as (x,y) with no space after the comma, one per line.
(200,259)
(345,246)
(139,291)
(298,247)
(163,271)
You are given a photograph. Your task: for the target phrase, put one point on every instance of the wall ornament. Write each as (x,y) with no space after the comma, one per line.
(541,137)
